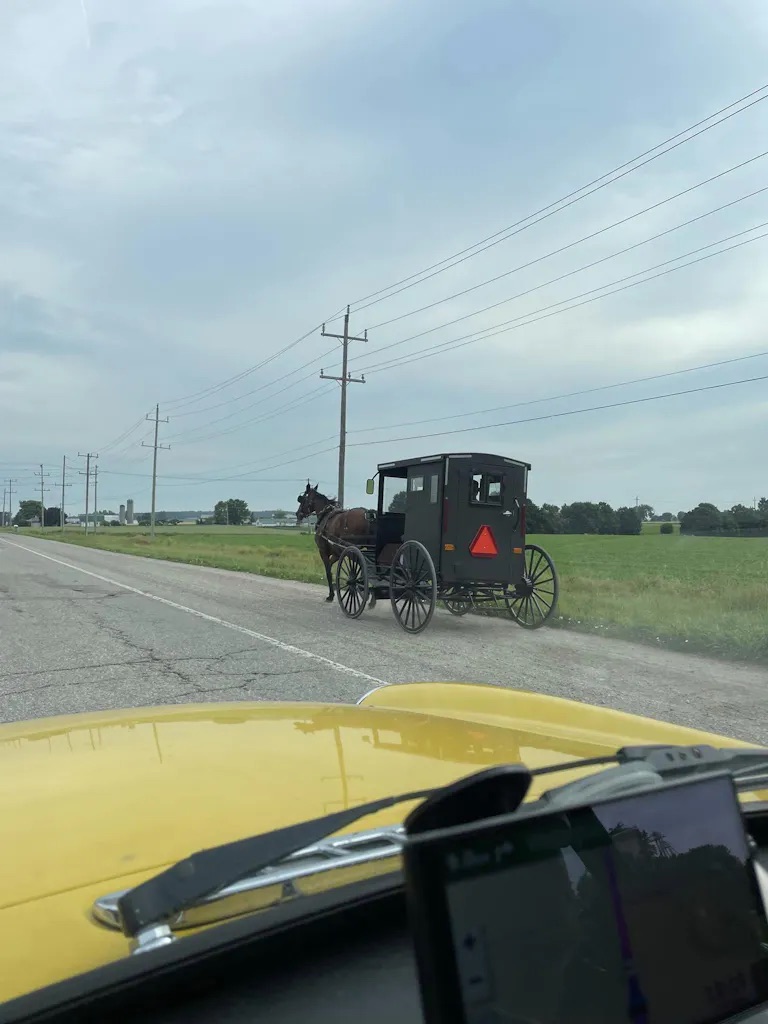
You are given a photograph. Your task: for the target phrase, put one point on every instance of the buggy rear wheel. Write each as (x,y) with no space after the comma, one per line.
(352,582)
(457,601)
(413,586)
(533,600)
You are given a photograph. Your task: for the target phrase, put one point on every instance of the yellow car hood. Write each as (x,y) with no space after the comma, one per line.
(98,802)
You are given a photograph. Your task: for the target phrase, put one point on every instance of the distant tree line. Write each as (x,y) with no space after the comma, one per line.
(599,517)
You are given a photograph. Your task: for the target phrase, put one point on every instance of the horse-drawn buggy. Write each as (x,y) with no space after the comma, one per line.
(448,528)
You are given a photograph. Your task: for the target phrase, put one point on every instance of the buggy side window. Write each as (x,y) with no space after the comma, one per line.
(416,483)
(485,489)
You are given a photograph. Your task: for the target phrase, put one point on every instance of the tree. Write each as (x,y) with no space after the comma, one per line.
(762,507)
(232,512)
(279,514)
(607,520)
(645,512)
(398,502)
(628,522)
(53,516)
(28,510)
(580,517)
(746,518)
(666,528)
(552,512)
(705,518)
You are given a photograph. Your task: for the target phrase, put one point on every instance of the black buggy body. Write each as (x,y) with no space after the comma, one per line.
(461,540)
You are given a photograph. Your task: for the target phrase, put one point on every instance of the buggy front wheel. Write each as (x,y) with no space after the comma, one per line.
(352,582)
(533,600)
(413,586)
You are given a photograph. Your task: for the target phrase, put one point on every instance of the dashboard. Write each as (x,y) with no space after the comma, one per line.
(307,960)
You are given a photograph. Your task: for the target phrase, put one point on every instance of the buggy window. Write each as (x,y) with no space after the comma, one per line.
(485,489)
(416,483)
(393,499)
(433,483)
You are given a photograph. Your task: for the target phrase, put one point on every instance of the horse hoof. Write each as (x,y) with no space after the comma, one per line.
(329,598)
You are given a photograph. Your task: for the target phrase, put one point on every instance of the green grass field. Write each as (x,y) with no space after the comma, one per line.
(703,594)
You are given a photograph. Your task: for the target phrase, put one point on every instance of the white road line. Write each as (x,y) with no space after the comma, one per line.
(271,640)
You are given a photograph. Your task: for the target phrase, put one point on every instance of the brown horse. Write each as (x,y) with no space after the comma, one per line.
(335,527)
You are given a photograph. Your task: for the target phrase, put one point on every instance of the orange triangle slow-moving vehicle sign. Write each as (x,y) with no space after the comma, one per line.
(484,544)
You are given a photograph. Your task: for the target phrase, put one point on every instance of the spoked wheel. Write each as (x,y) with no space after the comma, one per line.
(413,586)
(457,601)
(533,600)
(352,582)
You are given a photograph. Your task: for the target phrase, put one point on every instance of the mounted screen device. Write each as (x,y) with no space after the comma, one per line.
(639,909)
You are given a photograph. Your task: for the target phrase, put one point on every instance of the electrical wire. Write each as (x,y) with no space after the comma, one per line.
(123,436)
(494,239)
(222,419)
(559,415)
(302,400)
(568,394)
(262,387)
(568,201)
(550,310)
(589,237)
(180,402)
(581,269)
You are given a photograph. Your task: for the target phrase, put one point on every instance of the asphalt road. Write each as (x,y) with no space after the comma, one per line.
(83,629)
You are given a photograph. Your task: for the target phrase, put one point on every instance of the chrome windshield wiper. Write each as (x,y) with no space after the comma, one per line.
(143,912)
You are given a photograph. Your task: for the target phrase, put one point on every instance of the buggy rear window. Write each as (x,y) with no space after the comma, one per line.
(485,489)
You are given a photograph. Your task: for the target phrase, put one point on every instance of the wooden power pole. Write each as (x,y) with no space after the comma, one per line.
(345,379)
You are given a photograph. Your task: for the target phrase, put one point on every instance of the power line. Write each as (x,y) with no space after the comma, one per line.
(568,394)
(222,419)
(123,436)
(180,402)
(262,387)
(494,239)
(567,201)
(588,266)
(595,234)
(387,364)
(302,400)
(549,310)
(559,415)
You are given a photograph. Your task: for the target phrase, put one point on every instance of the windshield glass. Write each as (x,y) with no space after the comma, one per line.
(506,262)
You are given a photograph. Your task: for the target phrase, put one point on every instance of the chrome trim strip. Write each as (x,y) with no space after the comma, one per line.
(374,690)
(346,851)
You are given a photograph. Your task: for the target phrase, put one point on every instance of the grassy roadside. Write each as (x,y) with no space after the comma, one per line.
(697,594)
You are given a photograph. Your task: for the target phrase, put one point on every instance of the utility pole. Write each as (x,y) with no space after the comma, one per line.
(87,474)
(95,497)
(10,500)
(4,494)
(344,379)
(157,421)
(43,476)
(64,484)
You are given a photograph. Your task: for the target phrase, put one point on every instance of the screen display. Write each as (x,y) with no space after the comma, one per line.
(643,910)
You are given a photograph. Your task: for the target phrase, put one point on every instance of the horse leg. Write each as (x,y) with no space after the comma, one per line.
(328,564)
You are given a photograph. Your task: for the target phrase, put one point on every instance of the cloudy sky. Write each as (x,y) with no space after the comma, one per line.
(189,187)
